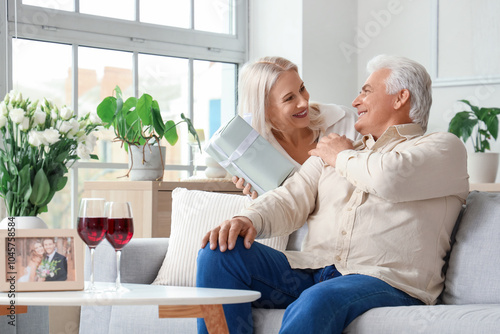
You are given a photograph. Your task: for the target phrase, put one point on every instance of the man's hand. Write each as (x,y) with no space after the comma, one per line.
(226,234)
(240,184)
(329,146)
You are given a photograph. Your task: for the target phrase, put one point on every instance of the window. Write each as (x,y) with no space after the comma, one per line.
(185,53)
(463,53)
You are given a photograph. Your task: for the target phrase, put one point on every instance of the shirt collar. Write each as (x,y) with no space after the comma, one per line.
(394,132)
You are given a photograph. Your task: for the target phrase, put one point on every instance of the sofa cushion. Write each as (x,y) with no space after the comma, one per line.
(194,213)
(442,319)
(473,275)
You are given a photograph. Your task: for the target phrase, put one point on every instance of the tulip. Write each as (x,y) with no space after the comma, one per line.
(52,136)
(39,116)
(82,151)
(90,141)
(65,113)
(4,109)
(65,127)
(17,115)
(15,96)
(25,124)
(3,121)
(75,127)
(35,138)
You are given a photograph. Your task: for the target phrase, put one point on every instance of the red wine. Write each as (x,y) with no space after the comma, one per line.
(120,231)
(92,229)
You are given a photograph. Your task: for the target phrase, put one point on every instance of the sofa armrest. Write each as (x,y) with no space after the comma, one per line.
(140,262)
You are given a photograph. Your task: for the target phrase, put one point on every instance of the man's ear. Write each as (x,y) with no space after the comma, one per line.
(402,98)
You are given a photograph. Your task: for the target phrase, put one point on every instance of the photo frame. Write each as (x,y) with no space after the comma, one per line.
(24,260)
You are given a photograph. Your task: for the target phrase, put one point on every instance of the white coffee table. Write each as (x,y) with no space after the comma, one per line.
(173,302)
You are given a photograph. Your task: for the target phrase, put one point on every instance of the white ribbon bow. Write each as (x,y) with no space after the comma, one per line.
(240,150)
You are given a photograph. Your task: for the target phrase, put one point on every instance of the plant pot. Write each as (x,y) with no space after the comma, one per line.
(148,166)
(22,222)
(482,167)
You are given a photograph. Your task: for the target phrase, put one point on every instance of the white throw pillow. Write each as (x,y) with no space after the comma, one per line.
(194,213)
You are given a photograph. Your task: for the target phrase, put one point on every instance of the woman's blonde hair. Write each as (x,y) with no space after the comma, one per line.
(255,82)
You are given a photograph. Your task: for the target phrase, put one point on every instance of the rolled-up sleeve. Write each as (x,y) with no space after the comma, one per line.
(286,208)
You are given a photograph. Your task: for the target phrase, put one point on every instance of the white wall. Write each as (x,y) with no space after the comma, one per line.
(329,75)
(332,40)
(308,33)
(275,29)
(399,27)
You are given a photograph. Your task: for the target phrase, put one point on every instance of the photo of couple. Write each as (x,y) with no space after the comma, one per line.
(41,260)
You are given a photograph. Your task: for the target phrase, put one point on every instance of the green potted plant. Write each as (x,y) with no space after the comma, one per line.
(138,125)
(480,125)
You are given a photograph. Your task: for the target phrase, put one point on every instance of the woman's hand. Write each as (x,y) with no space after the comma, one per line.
(330,146)
(225,234)
(240,184)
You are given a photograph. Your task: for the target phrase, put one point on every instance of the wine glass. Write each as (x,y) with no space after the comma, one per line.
(91,227)
(120,231)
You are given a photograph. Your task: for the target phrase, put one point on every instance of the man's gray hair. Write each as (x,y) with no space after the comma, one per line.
(407,74)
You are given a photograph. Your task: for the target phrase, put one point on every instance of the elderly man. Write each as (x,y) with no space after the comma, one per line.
(380,213)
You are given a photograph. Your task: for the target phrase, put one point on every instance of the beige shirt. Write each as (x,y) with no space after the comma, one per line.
(387,210)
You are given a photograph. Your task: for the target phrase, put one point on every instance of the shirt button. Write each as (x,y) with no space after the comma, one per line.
(338,258)
(344,232)
(349,209)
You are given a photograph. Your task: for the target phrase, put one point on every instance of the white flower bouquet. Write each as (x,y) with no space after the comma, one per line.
(39,142)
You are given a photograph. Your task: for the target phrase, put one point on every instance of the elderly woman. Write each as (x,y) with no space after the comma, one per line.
(274,97)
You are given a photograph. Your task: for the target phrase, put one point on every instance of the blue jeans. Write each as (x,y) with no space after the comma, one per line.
(316,301)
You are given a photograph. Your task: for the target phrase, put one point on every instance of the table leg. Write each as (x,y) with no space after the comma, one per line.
(5,310)
(214,317)
(215,320)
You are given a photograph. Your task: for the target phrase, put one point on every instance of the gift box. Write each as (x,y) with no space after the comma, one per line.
(243,152)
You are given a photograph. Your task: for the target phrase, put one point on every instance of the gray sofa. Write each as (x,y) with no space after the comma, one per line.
(470,302)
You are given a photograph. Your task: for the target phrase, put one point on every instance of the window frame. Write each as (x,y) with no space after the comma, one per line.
(76,29)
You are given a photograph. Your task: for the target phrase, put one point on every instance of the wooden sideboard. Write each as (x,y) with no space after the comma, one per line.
(151,200)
